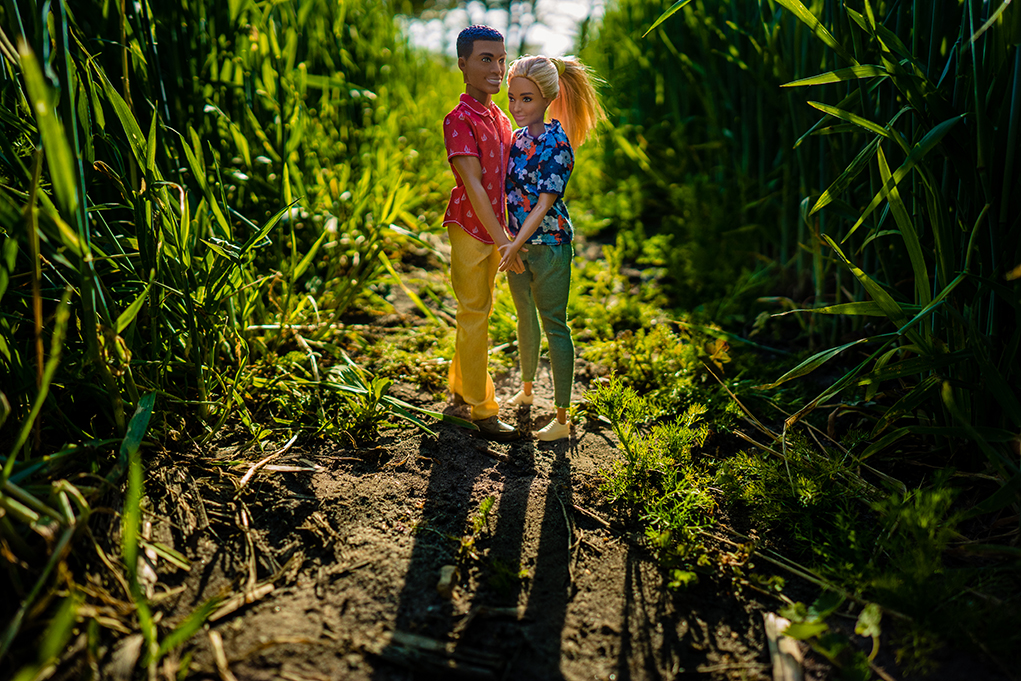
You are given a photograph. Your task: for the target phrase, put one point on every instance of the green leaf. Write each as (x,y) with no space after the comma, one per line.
(802,631)
(189,627)
(918,152)
(892,308)
(168,554)
(814,362)
(125,318)
(841,383)
(59,159)
(824,606)
(844,180)
(223,248)
(993,18)
(50,368)
(132,503)
(137,426)
(666,15)
(307,259)
(850,118)
(862,309)
(235,7)
(988,434)
(913,366)
(196,163)
(805,16)
(908,233)
(407,291)
(907,404)
(58,632)
(150,157)
(840,75)
(131,128)
(257,238)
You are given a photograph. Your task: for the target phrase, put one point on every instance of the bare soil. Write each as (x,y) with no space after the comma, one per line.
(342,565)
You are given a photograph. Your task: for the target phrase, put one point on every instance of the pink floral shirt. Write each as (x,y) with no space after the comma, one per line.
(473,129)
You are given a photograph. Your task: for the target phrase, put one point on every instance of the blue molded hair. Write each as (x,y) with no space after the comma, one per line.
(466,38)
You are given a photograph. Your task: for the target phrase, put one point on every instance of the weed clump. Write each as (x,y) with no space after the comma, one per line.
(656,481)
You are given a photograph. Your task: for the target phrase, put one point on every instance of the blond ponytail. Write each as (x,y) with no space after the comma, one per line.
(569,84)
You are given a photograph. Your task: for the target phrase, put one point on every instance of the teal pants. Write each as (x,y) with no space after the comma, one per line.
(541,292)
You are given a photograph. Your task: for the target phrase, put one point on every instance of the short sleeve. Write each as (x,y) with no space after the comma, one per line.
(555,166)
(459,136)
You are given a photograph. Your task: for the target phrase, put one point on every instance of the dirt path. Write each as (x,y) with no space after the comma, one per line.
(354,552)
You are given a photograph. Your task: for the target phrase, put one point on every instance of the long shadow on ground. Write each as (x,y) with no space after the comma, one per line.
(498,623)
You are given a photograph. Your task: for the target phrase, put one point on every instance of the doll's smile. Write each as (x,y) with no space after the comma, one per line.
(526,104)
(484,69)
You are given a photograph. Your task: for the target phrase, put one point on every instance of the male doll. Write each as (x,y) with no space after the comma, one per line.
(477,134)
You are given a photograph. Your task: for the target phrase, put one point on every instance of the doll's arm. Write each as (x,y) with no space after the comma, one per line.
(532,222)
(470,170)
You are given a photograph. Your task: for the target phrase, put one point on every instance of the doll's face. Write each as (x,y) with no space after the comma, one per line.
(526,105)
(484,69)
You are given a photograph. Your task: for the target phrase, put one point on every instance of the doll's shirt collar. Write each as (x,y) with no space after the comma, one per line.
(552,127)
(476,106)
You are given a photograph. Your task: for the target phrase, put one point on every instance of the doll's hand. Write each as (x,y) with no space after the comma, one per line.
(510,258)
(517,266)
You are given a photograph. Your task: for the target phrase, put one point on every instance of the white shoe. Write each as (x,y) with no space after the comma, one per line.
(520,398)
(554,430)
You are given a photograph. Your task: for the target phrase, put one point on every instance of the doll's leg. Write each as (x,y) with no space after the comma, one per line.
(528,320)
(551,288)
(473,267)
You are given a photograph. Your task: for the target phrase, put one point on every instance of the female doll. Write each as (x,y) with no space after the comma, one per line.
(541,161)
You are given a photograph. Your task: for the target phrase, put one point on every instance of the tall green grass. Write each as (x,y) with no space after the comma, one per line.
(867,148)
(184,190)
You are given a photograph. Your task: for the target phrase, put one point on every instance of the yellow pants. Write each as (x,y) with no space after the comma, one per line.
(473,267)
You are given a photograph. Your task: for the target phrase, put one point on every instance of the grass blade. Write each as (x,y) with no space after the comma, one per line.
(891,307)
(840,75)
(59,158)
(131,311)
(411,294)
(805,16)
(850,118)
(844,180)
(666,15)
(918,152)
(814,362)
(908,233)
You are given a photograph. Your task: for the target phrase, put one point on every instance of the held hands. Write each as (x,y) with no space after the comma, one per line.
(511,259)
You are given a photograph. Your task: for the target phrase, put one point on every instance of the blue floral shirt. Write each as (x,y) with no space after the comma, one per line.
(540,165)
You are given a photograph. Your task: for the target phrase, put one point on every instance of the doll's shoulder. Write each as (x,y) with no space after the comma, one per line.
(459,114)
(556,136)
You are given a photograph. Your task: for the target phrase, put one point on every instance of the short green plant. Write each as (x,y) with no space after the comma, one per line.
(506,578)
(418,355)
(808,623)
(604,301)
(793,492)
(672,366)
(657,478)
(478,523)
